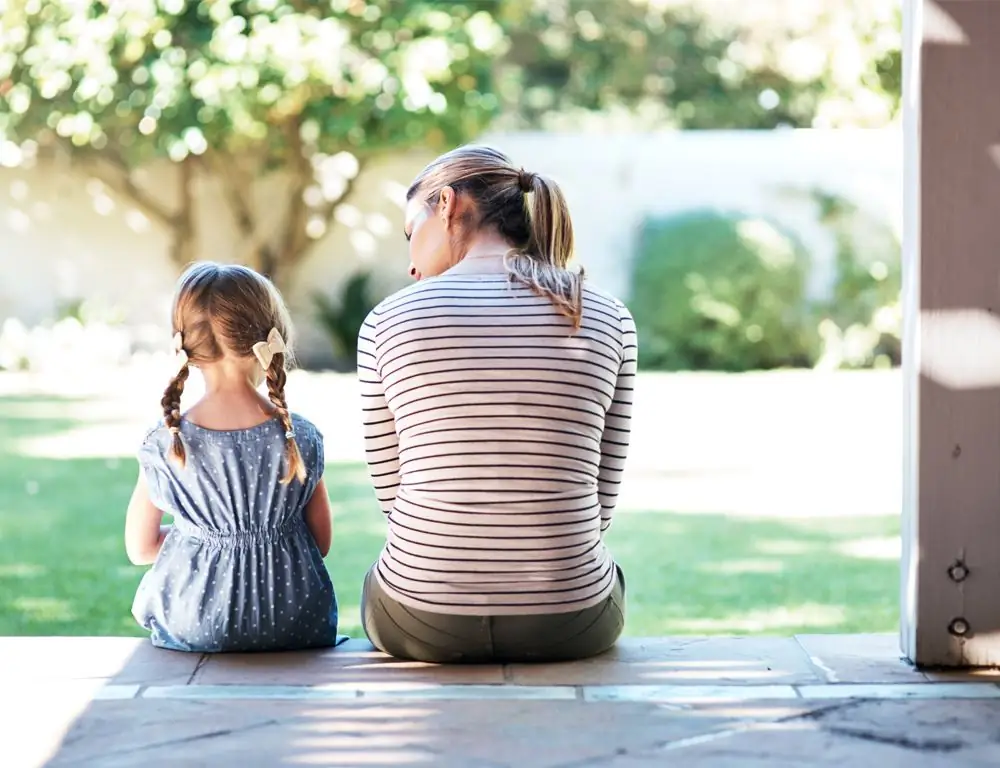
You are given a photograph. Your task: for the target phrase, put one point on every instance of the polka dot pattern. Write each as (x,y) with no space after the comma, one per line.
(240,570)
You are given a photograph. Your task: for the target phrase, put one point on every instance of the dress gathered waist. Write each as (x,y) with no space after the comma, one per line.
(244,538)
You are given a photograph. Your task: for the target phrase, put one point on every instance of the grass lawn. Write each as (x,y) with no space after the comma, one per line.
(63,569)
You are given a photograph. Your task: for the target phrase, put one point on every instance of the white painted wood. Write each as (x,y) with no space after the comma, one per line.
(951,300)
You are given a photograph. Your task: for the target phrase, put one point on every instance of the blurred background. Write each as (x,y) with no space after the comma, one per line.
(734,172)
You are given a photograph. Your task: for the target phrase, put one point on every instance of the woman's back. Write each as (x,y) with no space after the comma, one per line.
(508,462)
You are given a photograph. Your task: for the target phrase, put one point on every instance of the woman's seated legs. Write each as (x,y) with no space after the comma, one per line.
(409,633)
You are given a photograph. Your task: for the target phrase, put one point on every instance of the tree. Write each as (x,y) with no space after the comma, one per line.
(719,64)
(238,89)
(241,88)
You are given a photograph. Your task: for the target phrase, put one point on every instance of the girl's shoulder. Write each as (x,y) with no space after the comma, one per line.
(155,445)
(154,434)
(305,429)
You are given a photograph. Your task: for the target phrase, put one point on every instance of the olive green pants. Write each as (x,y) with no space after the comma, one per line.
(408,633)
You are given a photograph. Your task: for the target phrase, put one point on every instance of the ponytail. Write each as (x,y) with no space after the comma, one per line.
(524,208)
(276,378)
(541,265)
(171,403)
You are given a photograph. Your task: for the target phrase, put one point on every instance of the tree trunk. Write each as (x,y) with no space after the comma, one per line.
(184,235)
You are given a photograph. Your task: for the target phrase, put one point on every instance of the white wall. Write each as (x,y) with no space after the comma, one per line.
(62,237)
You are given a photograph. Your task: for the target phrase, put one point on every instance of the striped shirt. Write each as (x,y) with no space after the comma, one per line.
(496,439)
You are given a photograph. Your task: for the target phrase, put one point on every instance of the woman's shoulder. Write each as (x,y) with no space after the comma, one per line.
(606,301)
(417,295)
(403,295)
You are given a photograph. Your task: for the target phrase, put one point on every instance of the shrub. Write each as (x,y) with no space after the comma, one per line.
(720,291)
(861,321)
(341,319)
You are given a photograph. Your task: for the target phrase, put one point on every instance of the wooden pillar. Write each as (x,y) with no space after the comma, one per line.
(951,298)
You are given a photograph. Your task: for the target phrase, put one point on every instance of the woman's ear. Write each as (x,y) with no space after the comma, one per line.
(446,206)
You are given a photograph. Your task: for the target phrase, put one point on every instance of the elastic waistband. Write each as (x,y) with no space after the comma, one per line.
(244,538)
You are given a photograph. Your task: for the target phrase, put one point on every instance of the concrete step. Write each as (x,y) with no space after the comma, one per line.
(740,700)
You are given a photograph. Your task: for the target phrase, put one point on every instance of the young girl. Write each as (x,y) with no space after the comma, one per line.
(241,568)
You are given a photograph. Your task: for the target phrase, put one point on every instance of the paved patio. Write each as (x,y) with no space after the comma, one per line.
(809,700)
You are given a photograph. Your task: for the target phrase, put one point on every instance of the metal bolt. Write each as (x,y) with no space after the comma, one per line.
(958,571)
(959,627)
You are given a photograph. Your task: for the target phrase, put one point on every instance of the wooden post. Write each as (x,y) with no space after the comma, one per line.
(950,603)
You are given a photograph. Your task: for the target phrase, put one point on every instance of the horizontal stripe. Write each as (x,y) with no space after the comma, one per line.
(496,437)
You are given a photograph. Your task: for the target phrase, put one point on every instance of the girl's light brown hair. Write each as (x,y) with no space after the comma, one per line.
(224,309)
(527,209)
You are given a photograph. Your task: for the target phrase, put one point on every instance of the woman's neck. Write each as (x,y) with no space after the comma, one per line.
(484,256)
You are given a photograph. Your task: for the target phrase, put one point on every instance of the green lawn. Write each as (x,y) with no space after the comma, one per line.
(63,569)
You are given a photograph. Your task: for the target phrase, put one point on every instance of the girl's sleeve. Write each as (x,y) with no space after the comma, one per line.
(314,458)
(154,470)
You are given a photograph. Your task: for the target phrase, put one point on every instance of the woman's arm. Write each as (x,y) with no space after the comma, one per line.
(381,440)
(319,518)
(144,532)
(618,424)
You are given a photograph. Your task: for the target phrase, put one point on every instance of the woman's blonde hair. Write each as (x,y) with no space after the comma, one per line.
(220,308)
(527,209)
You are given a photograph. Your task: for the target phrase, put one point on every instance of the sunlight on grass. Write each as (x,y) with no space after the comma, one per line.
(21,570)
(781,619)
(784,547)
(44,609)
(887,548)
(737,567)
(98,441)
(63,568)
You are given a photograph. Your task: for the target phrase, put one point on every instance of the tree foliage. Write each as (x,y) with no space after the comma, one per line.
(235,89)
(719,64)
(238,88)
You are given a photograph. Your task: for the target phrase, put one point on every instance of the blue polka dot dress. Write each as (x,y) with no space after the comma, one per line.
(239,570)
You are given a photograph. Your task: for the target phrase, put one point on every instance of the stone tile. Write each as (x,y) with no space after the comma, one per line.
(120,660)
(682,660)
(36,719)
(924,690)
(92,689)
(442,734)
(959,733)
(793,745)
(471,693)
(963,676)
(687,694)
(370,691)
(355,661)
(859,658)
(908,734)
(251,692)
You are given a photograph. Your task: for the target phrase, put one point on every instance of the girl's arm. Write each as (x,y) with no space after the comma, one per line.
(319,518)
(144,533)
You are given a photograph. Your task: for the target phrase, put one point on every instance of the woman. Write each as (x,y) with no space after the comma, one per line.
(497,397)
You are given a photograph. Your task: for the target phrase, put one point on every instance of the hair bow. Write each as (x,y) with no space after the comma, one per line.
(265,351)
(180,356)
